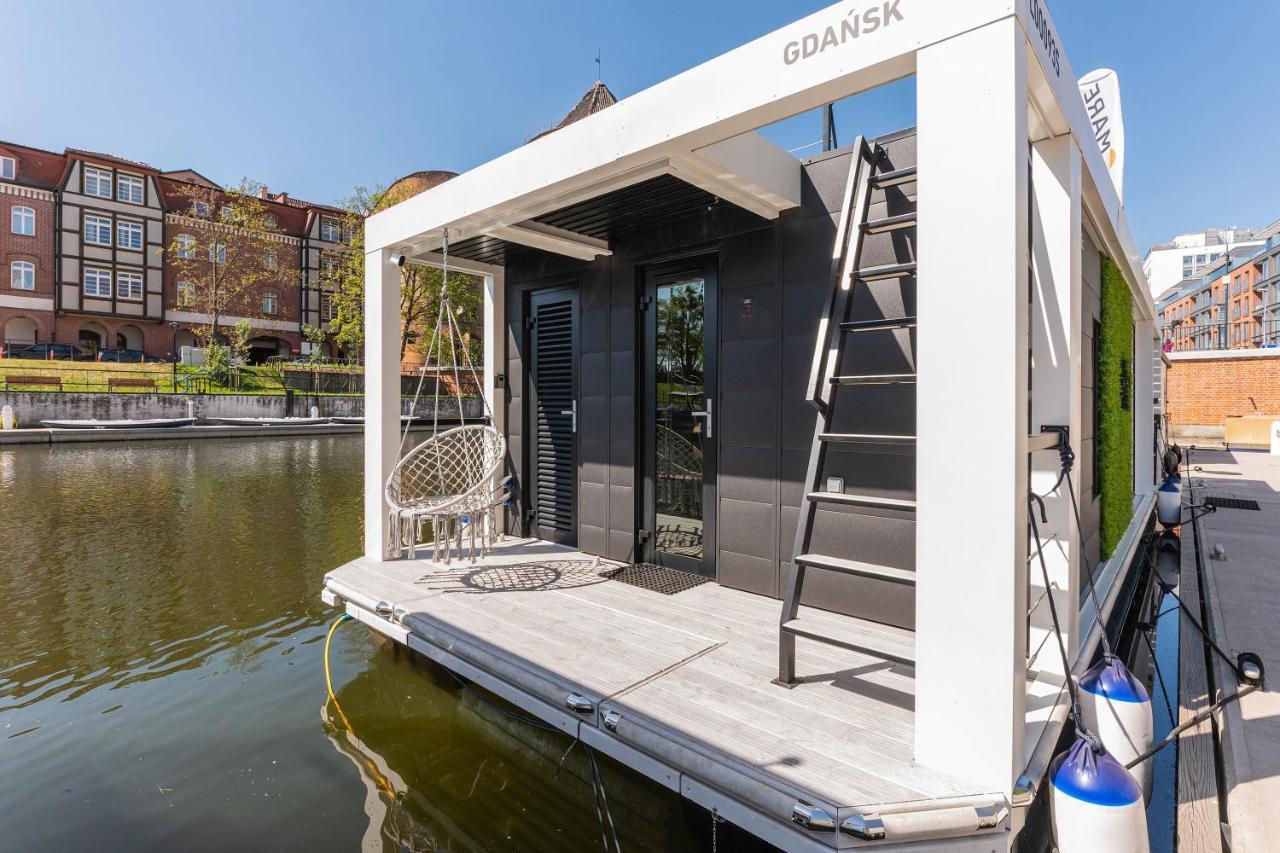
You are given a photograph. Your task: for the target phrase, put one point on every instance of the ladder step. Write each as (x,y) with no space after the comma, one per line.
(878,325)
(861,500)
(894,178)
(856,635)
(886,271)
(853,567)
(876,379)
(890,223)
(865,437)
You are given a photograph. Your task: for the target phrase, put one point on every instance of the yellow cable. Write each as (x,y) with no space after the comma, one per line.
(328,678)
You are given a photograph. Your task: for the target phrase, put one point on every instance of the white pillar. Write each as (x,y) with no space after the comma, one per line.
(1056,309)
(495,351)
(971,542)
(381,393)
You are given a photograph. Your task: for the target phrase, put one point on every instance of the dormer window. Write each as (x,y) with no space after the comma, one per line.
(228,213)
(330,229)
(200,208)
(129,189)
(8,168)
(97,182)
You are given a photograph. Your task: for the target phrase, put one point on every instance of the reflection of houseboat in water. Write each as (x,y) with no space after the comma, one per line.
(795,379)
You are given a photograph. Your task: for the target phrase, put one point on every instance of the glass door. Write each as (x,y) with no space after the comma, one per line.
(678,414)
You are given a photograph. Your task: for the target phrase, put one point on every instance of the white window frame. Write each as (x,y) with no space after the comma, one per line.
(200,208)
(330,229)
(101,288)
(94,226)
(21,219)
(270,302)
(185,294)
(326,307)
(186,247)
(328,266)
(126,227)
(218,252)
(8,168)
(102,179)
(22,275)
(270,261)
(227,213)
(129,286)
(132,182)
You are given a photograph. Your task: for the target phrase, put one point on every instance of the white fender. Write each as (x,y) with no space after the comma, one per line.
(1169,502)
(1096,806)
(1117,708)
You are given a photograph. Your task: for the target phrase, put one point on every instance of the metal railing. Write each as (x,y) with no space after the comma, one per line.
(1245,332)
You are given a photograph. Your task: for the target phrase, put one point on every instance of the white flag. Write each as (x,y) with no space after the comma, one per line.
(1100,90)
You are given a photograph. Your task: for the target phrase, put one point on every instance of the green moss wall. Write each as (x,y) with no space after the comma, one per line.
(1115,406)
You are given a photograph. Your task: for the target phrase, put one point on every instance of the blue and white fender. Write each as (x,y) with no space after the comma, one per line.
(1117,708)
(1169,502)
(1095,804)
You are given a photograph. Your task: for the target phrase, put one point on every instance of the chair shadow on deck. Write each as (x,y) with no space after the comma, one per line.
(526,576)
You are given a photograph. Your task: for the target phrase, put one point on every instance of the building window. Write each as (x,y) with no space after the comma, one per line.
(24,221)
(270,303)
(97,182)
(269,261)
(227,213)
(200,208)
(97,282)
(326,306)
(328,266)
(22,275)
(186,294)
(129,235)
(8,168)
(129,285)
(330,229)
(97,230)
(270,221)
(218,253)
(186,247)
(129,188)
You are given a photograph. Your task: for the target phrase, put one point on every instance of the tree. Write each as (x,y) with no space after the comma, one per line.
(314,336)
(420,287)
(226,250)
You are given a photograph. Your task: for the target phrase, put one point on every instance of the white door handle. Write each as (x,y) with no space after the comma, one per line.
(573,413)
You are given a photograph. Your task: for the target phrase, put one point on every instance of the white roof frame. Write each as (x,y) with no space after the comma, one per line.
(698,125)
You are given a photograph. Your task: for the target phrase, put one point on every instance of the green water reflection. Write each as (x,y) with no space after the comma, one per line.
(161,675)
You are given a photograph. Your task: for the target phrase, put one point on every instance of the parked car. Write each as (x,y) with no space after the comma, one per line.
(132,356)
(48,350)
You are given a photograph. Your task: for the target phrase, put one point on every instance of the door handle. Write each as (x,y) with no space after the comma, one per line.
(573,414)
(706,416)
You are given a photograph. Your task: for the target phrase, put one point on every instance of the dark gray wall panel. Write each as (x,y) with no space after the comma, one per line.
(748,366)
(748,420)
(747,527)
(749,474)
(746,572)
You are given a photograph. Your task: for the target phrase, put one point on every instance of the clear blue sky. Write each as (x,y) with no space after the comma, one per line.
(317,97)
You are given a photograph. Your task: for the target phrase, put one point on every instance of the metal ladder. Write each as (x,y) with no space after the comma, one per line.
(833,331)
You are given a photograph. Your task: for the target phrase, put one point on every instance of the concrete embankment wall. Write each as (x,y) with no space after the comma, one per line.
(31,407)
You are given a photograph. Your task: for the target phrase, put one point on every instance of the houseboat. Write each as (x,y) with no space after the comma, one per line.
(771,426)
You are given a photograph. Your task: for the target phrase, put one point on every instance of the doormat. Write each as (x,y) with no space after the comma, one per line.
(1232,503)
(655,578)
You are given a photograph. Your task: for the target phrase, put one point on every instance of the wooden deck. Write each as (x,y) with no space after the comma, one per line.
(689,676)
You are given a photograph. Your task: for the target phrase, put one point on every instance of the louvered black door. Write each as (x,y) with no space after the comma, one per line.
(553,419)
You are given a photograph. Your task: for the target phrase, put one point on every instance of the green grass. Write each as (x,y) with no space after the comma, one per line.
(1115,406)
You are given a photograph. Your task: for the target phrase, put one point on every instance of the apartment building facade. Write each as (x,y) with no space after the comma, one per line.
(87,246)
(1224,308)
(1189,256)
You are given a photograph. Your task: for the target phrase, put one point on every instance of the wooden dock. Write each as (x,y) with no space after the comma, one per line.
(678,686)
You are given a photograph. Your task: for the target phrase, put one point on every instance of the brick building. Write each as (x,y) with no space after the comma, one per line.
(85,246)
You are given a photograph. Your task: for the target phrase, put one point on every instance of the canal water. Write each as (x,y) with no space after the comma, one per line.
(162,680)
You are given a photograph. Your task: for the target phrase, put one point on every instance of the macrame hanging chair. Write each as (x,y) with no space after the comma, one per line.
(448,483)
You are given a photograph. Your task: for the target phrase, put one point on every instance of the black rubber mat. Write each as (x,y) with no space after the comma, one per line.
(655,578)
(1232,503)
